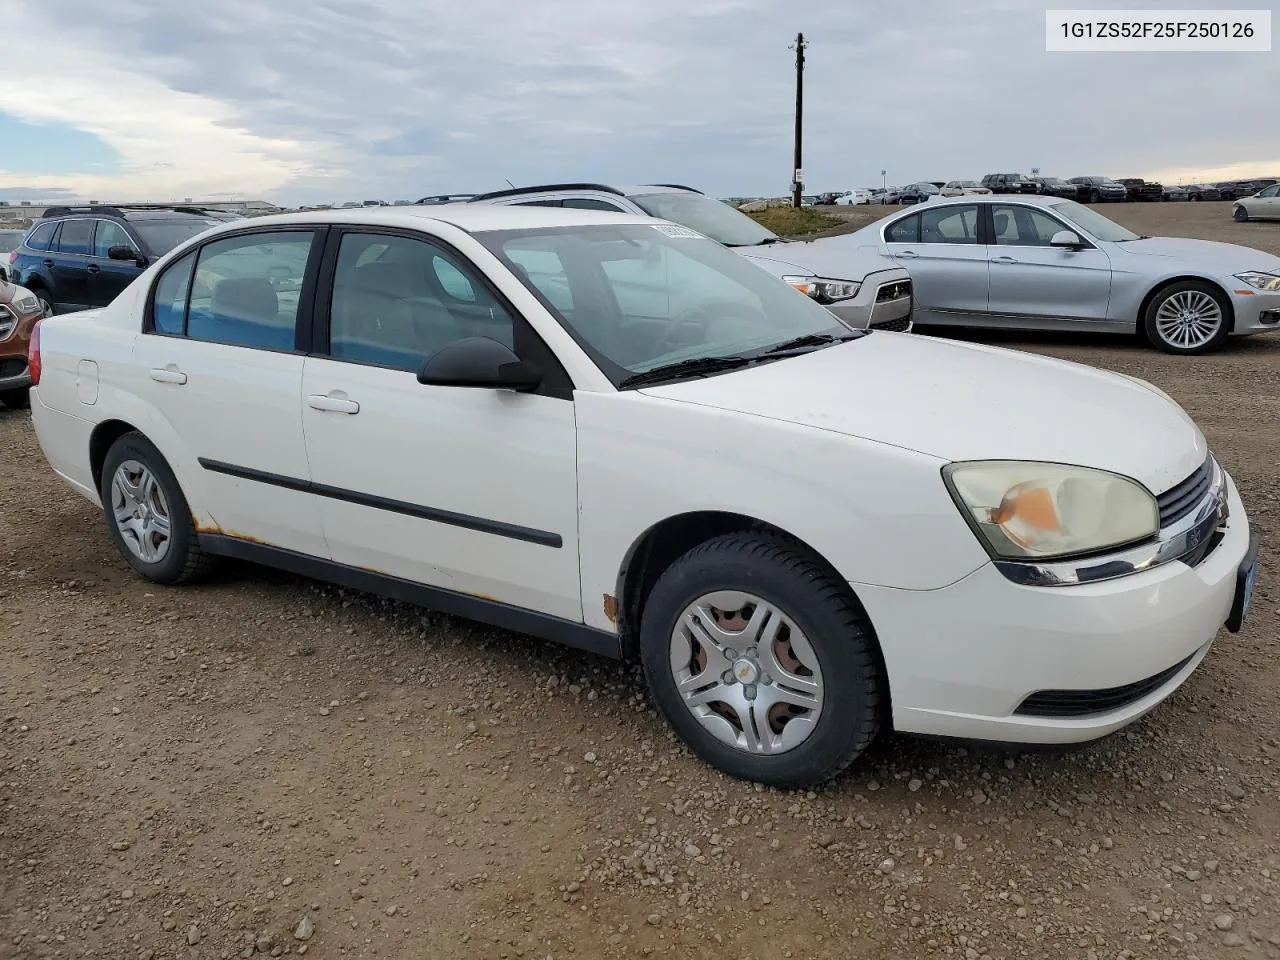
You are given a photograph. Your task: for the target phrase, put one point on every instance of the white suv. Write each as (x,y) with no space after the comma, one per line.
(862,289)
(613,432)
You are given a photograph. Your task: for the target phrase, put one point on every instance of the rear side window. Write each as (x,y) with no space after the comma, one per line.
(76,237)
(906,230)
(41,235)
(169,309)
(590,203)
(246,290)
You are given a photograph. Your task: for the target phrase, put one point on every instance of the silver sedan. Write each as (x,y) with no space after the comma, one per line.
(1048,263)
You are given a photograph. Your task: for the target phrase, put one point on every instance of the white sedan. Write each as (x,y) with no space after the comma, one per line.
(613,432)
(1263,205)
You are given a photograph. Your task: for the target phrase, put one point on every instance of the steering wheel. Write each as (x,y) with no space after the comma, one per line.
(700,316)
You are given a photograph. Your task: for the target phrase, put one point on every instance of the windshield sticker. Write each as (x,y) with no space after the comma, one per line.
(678,233)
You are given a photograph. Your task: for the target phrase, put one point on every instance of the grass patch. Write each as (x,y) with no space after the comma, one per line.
(793,222)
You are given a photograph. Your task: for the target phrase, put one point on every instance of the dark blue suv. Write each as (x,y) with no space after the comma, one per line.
(76,258)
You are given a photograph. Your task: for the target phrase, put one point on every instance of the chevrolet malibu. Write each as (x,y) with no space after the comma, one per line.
(612,432)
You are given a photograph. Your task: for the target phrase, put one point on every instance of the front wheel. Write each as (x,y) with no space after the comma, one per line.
(1240,215)
(147,514)
(1190,318)
(761,661)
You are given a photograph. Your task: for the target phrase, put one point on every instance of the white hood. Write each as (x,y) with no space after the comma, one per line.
(960,401)
(820,258)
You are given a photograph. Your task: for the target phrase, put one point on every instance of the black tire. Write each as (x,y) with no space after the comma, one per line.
(1095,196)
(779,572)
(1240,215)
(184,560)
(1152,331)
(15,399)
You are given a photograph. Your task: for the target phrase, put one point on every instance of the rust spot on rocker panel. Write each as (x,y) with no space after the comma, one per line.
(611,608)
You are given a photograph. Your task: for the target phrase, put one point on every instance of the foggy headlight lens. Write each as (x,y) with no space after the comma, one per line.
(1043,510)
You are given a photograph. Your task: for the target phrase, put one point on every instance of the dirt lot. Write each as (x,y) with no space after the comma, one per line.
(190,773)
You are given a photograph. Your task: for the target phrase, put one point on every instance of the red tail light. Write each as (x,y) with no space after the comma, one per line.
(13,255)
(33,355)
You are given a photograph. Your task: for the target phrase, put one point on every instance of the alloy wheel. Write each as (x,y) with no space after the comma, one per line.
(141,511)
(1189,319)
(746,672)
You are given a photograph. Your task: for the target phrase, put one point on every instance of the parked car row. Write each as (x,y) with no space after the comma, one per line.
(805,534)
(1085,189)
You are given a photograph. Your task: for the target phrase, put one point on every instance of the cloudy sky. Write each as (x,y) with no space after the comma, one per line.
(308,101)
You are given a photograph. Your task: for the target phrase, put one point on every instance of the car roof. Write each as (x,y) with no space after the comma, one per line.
(471,217)
(1025,199)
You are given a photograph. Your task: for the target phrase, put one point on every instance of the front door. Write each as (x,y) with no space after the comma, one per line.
(940,248)
(464,489)
(222,377)
(107,277)
(1032,281)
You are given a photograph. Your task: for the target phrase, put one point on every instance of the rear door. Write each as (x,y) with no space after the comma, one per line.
(941,247)
(71,255)
(219,365)
(107,277)
(1032,281)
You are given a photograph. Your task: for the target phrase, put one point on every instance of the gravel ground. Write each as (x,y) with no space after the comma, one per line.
(261,765)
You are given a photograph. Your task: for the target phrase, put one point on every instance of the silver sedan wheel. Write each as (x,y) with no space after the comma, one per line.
(1188,319)
(141,512)
(747,672)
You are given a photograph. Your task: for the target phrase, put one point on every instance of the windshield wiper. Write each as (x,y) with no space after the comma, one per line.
(687,368)
(811,340)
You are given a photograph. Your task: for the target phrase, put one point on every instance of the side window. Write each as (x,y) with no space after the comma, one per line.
(536,203)
(76,237)
(109,234)
(246,289)
(590,203)
(949,225)
(170,301)
(41,235)
(906,230)
(1023,226)
(1271,191)
(402,304)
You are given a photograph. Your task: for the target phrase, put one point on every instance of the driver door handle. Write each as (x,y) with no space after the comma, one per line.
(1003,260)
(169,374)
(908,254)
(331,403)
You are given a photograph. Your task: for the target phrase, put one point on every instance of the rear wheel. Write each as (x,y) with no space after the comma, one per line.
(1191,317)
(1095,196)
(761,661)
(1240,214)
(147,515)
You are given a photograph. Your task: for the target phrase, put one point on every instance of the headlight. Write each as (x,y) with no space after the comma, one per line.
(824,291)
(1263,281)
(1040,510)
(24,301)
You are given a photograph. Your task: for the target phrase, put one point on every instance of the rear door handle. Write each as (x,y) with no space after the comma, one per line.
(908,254)
(94,268)
(47,263)
(320,401)
(1003,260)
(169,374)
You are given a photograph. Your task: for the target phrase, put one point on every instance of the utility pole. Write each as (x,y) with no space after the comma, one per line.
(797,181)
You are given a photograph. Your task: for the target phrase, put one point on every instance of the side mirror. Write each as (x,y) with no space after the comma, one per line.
(1067,239)
(125,252)
(479,362)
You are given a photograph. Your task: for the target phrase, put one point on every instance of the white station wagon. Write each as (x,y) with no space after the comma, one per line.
(613,432)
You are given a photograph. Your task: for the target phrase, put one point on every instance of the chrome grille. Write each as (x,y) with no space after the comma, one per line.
(8,322)
(1180,500)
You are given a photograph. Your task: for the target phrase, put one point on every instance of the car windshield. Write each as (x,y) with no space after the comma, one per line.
(1055,181)
(642,296)
(161,236)
(9,240)
(1093,222)
(714,219)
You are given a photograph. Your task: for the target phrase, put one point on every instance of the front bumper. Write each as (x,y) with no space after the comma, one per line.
(884,302)
(14,374)
(1257,312)
(964,659)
